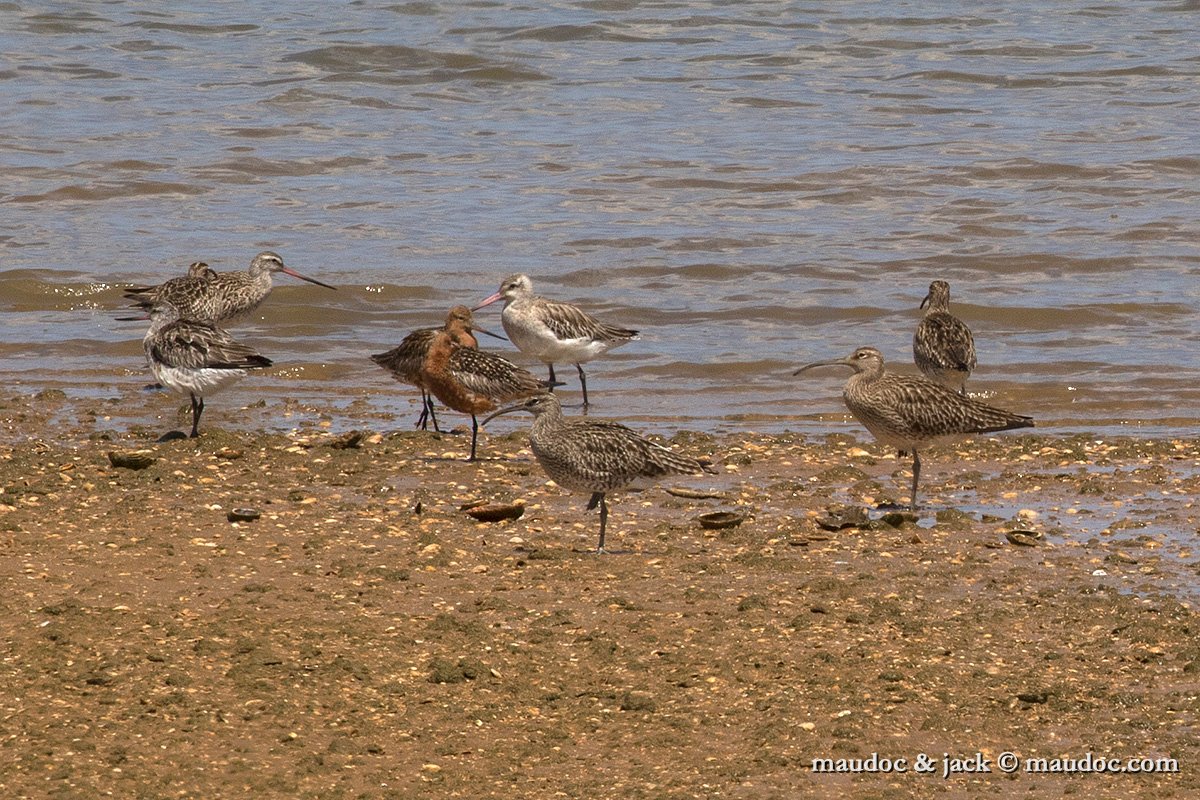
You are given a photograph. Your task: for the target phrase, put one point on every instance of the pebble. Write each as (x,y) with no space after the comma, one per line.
(718,520)
(131,459)
(243,514)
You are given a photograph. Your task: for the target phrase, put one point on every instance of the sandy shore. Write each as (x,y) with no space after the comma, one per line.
(365,637)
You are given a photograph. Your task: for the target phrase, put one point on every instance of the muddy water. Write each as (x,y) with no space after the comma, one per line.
(753,185)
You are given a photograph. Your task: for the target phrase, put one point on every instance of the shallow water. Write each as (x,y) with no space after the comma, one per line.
(754,185)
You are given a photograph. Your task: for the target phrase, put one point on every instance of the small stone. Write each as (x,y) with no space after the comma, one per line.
(494,512)
(718,520)
(838,517)
(131,459)
(349,441)
(1023,538)
(637,701)
(898,519)
(243,514)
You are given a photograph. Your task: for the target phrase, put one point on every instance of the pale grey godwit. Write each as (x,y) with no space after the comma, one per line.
(909,412)
(554,332)
(195,358)
(471,381)
(597,457)
(221,297)
(405,359)
(943,347)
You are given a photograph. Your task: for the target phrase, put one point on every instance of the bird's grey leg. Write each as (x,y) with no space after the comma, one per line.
(603,518)
(583,385)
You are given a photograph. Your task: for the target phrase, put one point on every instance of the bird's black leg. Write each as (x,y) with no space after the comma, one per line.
(916,477)
(583,385)
(432,413)
(553,382)
(423,418)
(197,410)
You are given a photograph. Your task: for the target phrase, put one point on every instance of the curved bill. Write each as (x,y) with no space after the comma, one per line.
(502,412)
(487,301)
(294,274)
(833,362)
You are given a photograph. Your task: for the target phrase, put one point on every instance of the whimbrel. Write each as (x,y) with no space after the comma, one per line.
(910,412)
(554,332)
(221,297)
(943,347)
(195,358)
(405,359)
(598,457)
(471,381)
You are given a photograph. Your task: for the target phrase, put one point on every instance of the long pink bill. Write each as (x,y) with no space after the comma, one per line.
(488,301)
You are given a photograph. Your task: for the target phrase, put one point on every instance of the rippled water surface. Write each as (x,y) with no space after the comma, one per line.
(754,185)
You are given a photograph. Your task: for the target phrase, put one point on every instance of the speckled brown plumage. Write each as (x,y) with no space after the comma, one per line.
(597,457)
(910,412)
(199,269)
(404,361)
(220,297)
(472,381)
(943,347)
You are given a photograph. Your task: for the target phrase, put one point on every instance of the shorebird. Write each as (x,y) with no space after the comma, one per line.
(553,332)
(598,457)
(199,269)
(909,412)
(468,380)
(405,359)
(943,347)
(195,358)
(221,296)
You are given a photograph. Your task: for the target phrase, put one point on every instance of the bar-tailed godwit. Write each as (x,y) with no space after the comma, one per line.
(554,332)
(943,347)
(597,457)
(195,358)
(405,359)
(471,381)
(909,412)
(220,297)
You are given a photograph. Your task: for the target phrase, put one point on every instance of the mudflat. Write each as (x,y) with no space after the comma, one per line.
(317,615)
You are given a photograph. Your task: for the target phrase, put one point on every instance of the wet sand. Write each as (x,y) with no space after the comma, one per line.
(364,637)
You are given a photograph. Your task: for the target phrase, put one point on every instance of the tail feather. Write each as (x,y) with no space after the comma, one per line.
(667,462)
